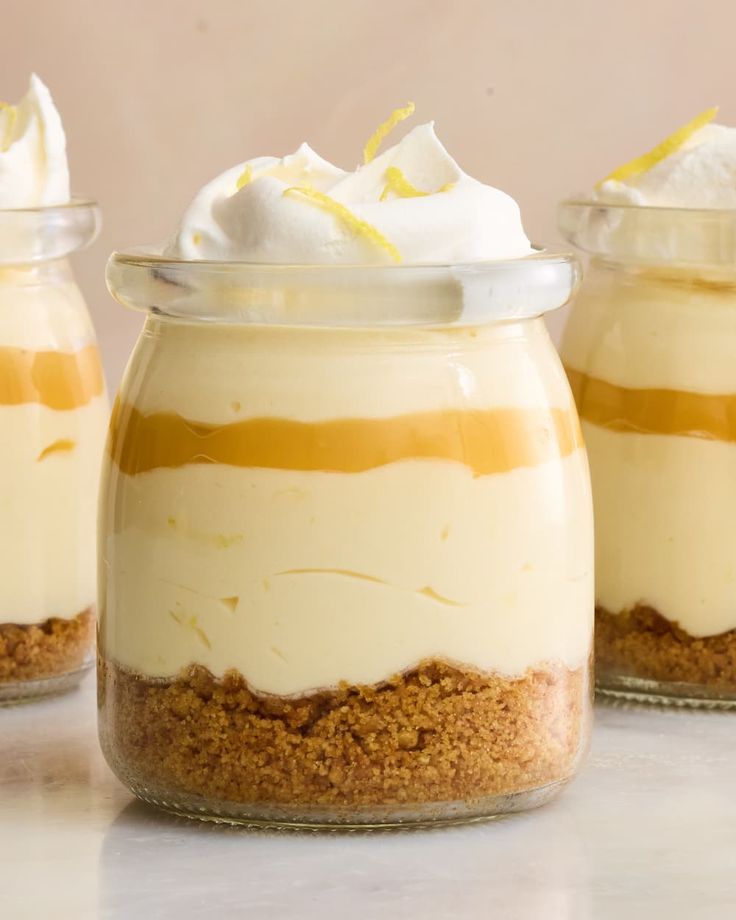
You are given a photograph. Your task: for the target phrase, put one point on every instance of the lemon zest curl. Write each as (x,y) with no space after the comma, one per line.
(245,177)
(666,148)
(376,139)
(352,222)
(12,117)
(397,183)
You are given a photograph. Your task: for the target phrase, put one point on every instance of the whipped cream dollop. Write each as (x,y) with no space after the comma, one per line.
(33,164)
(701,173)
(411,204)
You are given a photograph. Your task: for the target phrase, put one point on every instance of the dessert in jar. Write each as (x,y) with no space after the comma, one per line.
(346,528)
(649,352)
(53,410)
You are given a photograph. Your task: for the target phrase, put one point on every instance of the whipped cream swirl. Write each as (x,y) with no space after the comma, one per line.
(701,173)
(33,164)
(411,204)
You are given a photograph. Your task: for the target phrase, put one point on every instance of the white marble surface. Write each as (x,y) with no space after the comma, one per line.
(647,831)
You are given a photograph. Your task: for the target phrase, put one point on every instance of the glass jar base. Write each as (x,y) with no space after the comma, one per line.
(349,819)
(664,693)
(27,691)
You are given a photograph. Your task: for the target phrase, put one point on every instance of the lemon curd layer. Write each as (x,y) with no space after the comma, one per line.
(710,416)
(486,441)
(313,506)
(651,366)
(57,379)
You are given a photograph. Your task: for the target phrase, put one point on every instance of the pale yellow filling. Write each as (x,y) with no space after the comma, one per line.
(300,580)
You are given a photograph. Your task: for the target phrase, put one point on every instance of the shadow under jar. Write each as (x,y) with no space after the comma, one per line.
(649,350)
(53,418)
(346,544)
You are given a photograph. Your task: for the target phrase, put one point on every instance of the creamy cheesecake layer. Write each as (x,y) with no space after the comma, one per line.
(42,309)
(219,374)
(300,580)
(646,331)
(49,464)
(665,510)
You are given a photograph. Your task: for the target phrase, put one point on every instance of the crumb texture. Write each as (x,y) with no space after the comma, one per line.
(643,643)
(45,649)
(437,733)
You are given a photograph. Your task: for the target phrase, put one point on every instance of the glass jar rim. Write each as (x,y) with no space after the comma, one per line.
(43,233)
(633,206)
(650,234)
(343,294)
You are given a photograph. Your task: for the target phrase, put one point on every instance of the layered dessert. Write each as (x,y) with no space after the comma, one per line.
(52,420)
(345,567)
(649,353)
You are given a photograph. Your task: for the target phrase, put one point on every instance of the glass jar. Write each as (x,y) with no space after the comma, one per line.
(53,416)
(346,544)
(649,352)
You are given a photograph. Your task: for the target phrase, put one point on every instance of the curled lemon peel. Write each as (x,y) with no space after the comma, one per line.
(12,117)
(376,139)
(664,149)
(360,228)
(245,177)
(397,183)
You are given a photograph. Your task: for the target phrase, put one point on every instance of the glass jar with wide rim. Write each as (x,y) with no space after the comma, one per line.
(53,417)
(649,352)
(346,543)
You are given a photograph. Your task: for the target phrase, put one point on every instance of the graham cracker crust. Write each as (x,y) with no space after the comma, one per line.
(643,643)
(437,733)
(46,649)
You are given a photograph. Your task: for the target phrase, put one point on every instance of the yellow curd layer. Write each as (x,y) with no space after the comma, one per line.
(56,379)
(711,416)
(485,440)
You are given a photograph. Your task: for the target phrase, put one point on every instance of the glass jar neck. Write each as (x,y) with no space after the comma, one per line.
(31,236)
(677,274)
(673,240)
(53,271)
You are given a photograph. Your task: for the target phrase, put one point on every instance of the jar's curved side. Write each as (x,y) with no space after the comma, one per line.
(649,357)
(317,540)
(53,414)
